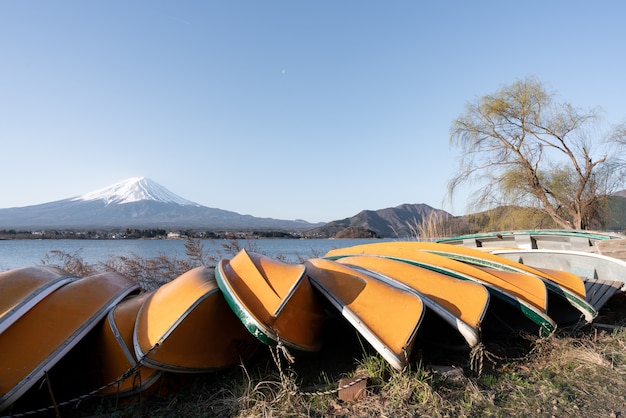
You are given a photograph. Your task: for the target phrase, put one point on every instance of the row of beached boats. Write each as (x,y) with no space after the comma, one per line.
(102,335)
(597,257)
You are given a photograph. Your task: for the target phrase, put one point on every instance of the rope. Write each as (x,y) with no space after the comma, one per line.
(289,386)
(477,356)
(333,391)
(479,353)
(406,357)
(55,406)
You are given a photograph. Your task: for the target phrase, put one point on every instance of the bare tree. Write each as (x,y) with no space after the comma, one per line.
(525,149)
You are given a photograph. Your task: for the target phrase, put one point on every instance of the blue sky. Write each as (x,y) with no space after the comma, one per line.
(287,109)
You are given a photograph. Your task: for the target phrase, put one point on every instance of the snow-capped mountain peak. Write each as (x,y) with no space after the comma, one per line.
(134,190)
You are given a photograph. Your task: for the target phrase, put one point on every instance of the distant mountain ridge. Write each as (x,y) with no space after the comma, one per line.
(135,203)
(142,203)
(397,222)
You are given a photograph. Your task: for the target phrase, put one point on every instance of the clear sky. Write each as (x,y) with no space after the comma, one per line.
(310,110)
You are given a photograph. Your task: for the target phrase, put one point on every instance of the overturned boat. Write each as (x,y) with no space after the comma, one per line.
(388,317)
(554,239)
(274,300)
(21,289)
(461,305)
(566,290)
(518,302)
(44,334)
(403,298)
(603,276)
(186,326)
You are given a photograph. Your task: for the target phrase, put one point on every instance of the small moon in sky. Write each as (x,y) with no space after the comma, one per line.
(284,71)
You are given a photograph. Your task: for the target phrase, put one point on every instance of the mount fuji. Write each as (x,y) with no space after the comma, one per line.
(135,203)
(134,190)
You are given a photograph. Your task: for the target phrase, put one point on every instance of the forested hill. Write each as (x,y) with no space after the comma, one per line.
(397,222)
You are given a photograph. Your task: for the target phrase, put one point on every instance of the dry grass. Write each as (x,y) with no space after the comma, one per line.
(433,226)
(564,376)
(149,273)
(575,373)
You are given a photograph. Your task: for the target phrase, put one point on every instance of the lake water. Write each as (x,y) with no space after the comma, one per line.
(23,253)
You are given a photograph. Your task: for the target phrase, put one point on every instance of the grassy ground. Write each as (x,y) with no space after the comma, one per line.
(574,372)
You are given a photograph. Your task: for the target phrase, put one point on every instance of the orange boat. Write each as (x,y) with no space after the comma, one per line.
(21,289)
(461,304)
(566,290)
(274,300)
(43,335)
(186,326)
(519,298)
(571,282)
(388,317)
(524,287)
(114,350)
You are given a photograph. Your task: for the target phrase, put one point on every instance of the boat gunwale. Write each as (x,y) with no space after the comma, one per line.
(252,324)
(582,254)
(296,284)
(120,340)
(144,383)
(595,235)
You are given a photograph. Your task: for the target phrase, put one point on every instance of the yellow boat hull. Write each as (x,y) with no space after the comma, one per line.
(462,304)
(527,288)
(48,331)
(569,281)
(21,289)
(521,294)
(387,317)
(568,295)
(274,300)
(186,326)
